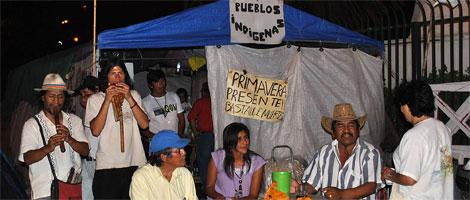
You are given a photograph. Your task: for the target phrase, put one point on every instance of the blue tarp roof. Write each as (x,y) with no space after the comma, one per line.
(209,25)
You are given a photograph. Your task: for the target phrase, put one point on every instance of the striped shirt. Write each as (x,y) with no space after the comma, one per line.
(363,166)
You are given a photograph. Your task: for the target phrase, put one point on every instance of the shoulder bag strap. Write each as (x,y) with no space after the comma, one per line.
(44,142)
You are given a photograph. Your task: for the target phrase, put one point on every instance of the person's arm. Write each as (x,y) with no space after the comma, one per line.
(411,152)
(192,117)
(211,180)
(78,146)
(294,187)
(359,192)
(193,124)
(36,155)
(309,188)
(255,185)
(180,115)
(147,134)
(181,123)
(371,178)
(98,122)
(393,176)
(139,114)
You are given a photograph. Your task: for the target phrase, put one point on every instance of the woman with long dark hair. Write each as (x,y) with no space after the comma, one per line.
(235,171)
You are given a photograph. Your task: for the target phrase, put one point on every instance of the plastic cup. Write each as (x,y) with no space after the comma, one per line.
(283,180)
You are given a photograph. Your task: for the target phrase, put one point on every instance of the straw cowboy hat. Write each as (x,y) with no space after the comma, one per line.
(53,82)
(342,112)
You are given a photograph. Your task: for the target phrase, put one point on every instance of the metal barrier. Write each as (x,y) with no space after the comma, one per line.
(439,45)
(431,44)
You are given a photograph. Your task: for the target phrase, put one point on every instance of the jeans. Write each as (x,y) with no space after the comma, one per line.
(88,171)
(205,145)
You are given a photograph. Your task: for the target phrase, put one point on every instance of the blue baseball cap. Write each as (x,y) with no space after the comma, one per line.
(166,139)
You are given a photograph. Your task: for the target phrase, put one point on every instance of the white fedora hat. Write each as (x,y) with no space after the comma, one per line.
(53,82)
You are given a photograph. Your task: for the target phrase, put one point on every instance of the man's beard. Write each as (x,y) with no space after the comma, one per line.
(54,110)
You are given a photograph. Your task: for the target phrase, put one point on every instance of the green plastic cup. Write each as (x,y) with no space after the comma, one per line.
(283,180)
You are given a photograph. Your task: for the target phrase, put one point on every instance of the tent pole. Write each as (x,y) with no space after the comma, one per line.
(93,62)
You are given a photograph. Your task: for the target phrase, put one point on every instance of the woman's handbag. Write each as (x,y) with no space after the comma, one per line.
(61,189)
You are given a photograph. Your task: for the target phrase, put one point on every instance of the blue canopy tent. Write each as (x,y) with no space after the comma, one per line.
(208,25)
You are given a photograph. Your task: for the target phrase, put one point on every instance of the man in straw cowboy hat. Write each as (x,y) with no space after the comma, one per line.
(58,129)
(348,167)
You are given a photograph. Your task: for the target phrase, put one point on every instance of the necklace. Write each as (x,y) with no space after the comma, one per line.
(239,192)
(161,107)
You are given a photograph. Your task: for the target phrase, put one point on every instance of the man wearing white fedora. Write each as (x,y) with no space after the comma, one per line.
(44,133)
(348,167)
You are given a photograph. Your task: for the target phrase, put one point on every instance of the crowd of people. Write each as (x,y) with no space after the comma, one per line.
(138,149)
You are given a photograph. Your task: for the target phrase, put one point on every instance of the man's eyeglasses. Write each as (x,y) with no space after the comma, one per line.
(175,151)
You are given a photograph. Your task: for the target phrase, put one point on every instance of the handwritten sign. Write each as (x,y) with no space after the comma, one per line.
(255,97)
(260,22)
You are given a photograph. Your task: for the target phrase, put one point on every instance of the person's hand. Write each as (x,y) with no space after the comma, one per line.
(332,193)
(123,89)
(293,186)
(147,134)
(110,92)
(388,173)
(53,142)
(64,131)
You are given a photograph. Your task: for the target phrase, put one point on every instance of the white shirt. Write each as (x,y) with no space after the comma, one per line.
(40,174)
(109,153)
(92,142)
(148,182)
(363,166)
(163,111)
(424,154)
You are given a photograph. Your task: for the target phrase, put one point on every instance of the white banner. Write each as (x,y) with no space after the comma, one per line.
(255,97)
(317,80)
(260,22)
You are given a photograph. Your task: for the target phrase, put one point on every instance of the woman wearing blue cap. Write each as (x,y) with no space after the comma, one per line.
(165,176)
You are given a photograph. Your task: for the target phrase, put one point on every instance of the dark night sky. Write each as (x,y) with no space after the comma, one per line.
(32,29)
